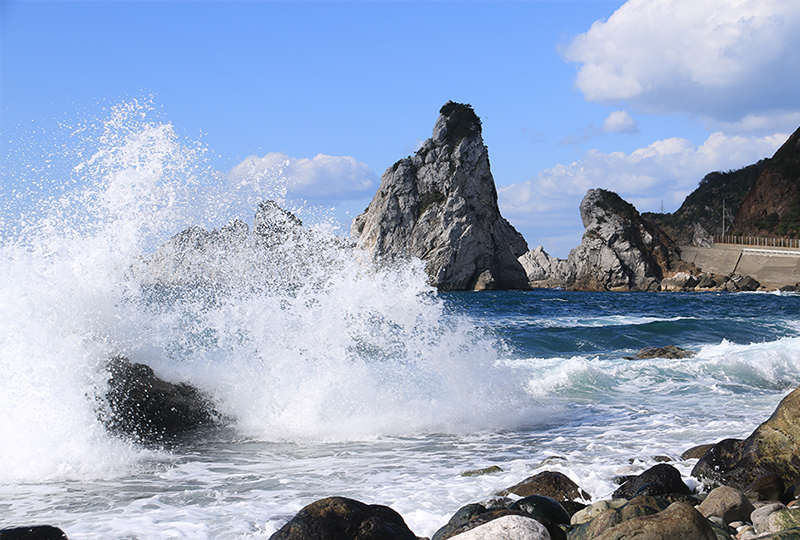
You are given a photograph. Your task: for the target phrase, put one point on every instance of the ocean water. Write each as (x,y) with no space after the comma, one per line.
(334,376)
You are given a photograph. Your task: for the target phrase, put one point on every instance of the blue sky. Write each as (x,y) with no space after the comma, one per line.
(642,97)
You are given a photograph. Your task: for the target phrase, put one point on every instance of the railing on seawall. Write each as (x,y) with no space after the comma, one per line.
(758,241)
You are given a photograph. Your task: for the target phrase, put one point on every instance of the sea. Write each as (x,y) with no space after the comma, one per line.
(332,375)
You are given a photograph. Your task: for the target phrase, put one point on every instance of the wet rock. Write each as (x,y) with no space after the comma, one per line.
(38,532)
(774,447)
(507,528)
(769,487)
(149,408)
(668,351)
(696,452)
(728,504)
(665,479)
(542,508)
(494,469)
(339,518)
(679,520)
(440,205)
(463,516)
(549,484)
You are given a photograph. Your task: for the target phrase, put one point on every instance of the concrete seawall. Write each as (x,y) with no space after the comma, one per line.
(772,267)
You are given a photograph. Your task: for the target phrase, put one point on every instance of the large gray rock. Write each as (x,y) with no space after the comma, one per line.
(545,271)
(619,251)
(440,205)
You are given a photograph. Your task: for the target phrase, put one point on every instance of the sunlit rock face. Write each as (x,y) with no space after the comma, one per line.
(440,205)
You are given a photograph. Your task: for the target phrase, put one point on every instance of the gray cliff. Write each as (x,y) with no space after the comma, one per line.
(619,251)
(440,205)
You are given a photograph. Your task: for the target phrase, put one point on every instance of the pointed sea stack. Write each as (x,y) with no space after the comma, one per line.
(440,205)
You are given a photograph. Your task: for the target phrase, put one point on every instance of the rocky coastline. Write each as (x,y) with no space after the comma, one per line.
(753,492)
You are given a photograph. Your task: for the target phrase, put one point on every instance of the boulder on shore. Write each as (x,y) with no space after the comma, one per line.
(440,205)
(774,447)
(339,518)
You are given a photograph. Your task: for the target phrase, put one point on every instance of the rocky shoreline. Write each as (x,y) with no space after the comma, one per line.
(754,493)
(754,484)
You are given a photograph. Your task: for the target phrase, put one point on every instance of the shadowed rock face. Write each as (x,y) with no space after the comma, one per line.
(149,408)
(774,447)
(440,205)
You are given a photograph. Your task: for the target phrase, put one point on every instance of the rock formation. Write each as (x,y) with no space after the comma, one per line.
(619,251)
(440,205)
(774,447)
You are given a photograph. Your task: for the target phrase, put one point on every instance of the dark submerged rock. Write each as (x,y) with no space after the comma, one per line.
(660,479)
(339,518)
(149,408)
(37,532)
(668,351)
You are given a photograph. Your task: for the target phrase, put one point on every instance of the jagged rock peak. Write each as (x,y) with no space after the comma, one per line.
(620,251)
(440,205)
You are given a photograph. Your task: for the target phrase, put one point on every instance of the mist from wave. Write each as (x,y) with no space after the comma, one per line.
(301,339)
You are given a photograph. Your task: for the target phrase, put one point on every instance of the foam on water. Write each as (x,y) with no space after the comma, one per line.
(303,340)
(337,377)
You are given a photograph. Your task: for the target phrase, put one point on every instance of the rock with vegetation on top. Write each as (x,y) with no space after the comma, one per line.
(774,447)
(339,518)
(440,205)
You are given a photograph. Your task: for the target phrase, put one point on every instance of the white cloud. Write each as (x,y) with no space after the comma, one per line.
(719,59)
(620,122)
(323,178)
(666,170)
